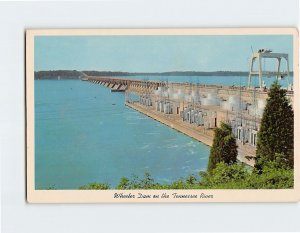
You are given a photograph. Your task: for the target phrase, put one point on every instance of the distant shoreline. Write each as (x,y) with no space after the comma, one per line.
(74,74)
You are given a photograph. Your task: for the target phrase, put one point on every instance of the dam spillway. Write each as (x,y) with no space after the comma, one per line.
(197,109)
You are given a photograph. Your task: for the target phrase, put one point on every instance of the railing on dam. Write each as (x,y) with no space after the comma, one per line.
(223,91)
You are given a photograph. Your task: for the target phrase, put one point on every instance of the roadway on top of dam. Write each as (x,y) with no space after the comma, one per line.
(147,86)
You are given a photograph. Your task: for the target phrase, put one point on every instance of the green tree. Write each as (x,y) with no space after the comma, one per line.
(95,186)
(224,148)
(147,182)
(274,175)
(191,179)
(124,183)
(225,176)
(276,134)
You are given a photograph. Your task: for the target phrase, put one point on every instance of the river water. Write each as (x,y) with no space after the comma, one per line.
(84,133)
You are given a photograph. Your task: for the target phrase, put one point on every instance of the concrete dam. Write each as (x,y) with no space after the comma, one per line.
(196,109)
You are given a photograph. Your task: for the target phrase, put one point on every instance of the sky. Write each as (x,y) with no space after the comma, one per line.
(155,53)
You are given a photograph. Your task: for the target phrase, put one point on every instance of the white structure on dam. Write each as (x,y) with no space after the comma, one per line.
(263,54)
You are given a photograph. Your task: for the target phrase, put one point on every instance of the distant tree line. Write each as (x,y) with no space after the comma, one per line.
(105,73)
(201,73)
(74,74)
(170,73)
(57,74)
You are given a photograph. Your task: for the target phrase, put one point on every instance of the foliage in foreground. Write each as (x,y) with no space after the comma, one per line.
(95,186)
(275,175)
(238,176)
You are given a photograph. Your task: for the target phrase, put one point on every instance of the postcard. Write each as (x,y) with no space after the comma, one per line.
(162,115)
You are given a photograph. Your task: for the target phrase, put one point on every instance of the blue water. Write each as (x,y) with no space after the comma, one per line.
(84,133)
